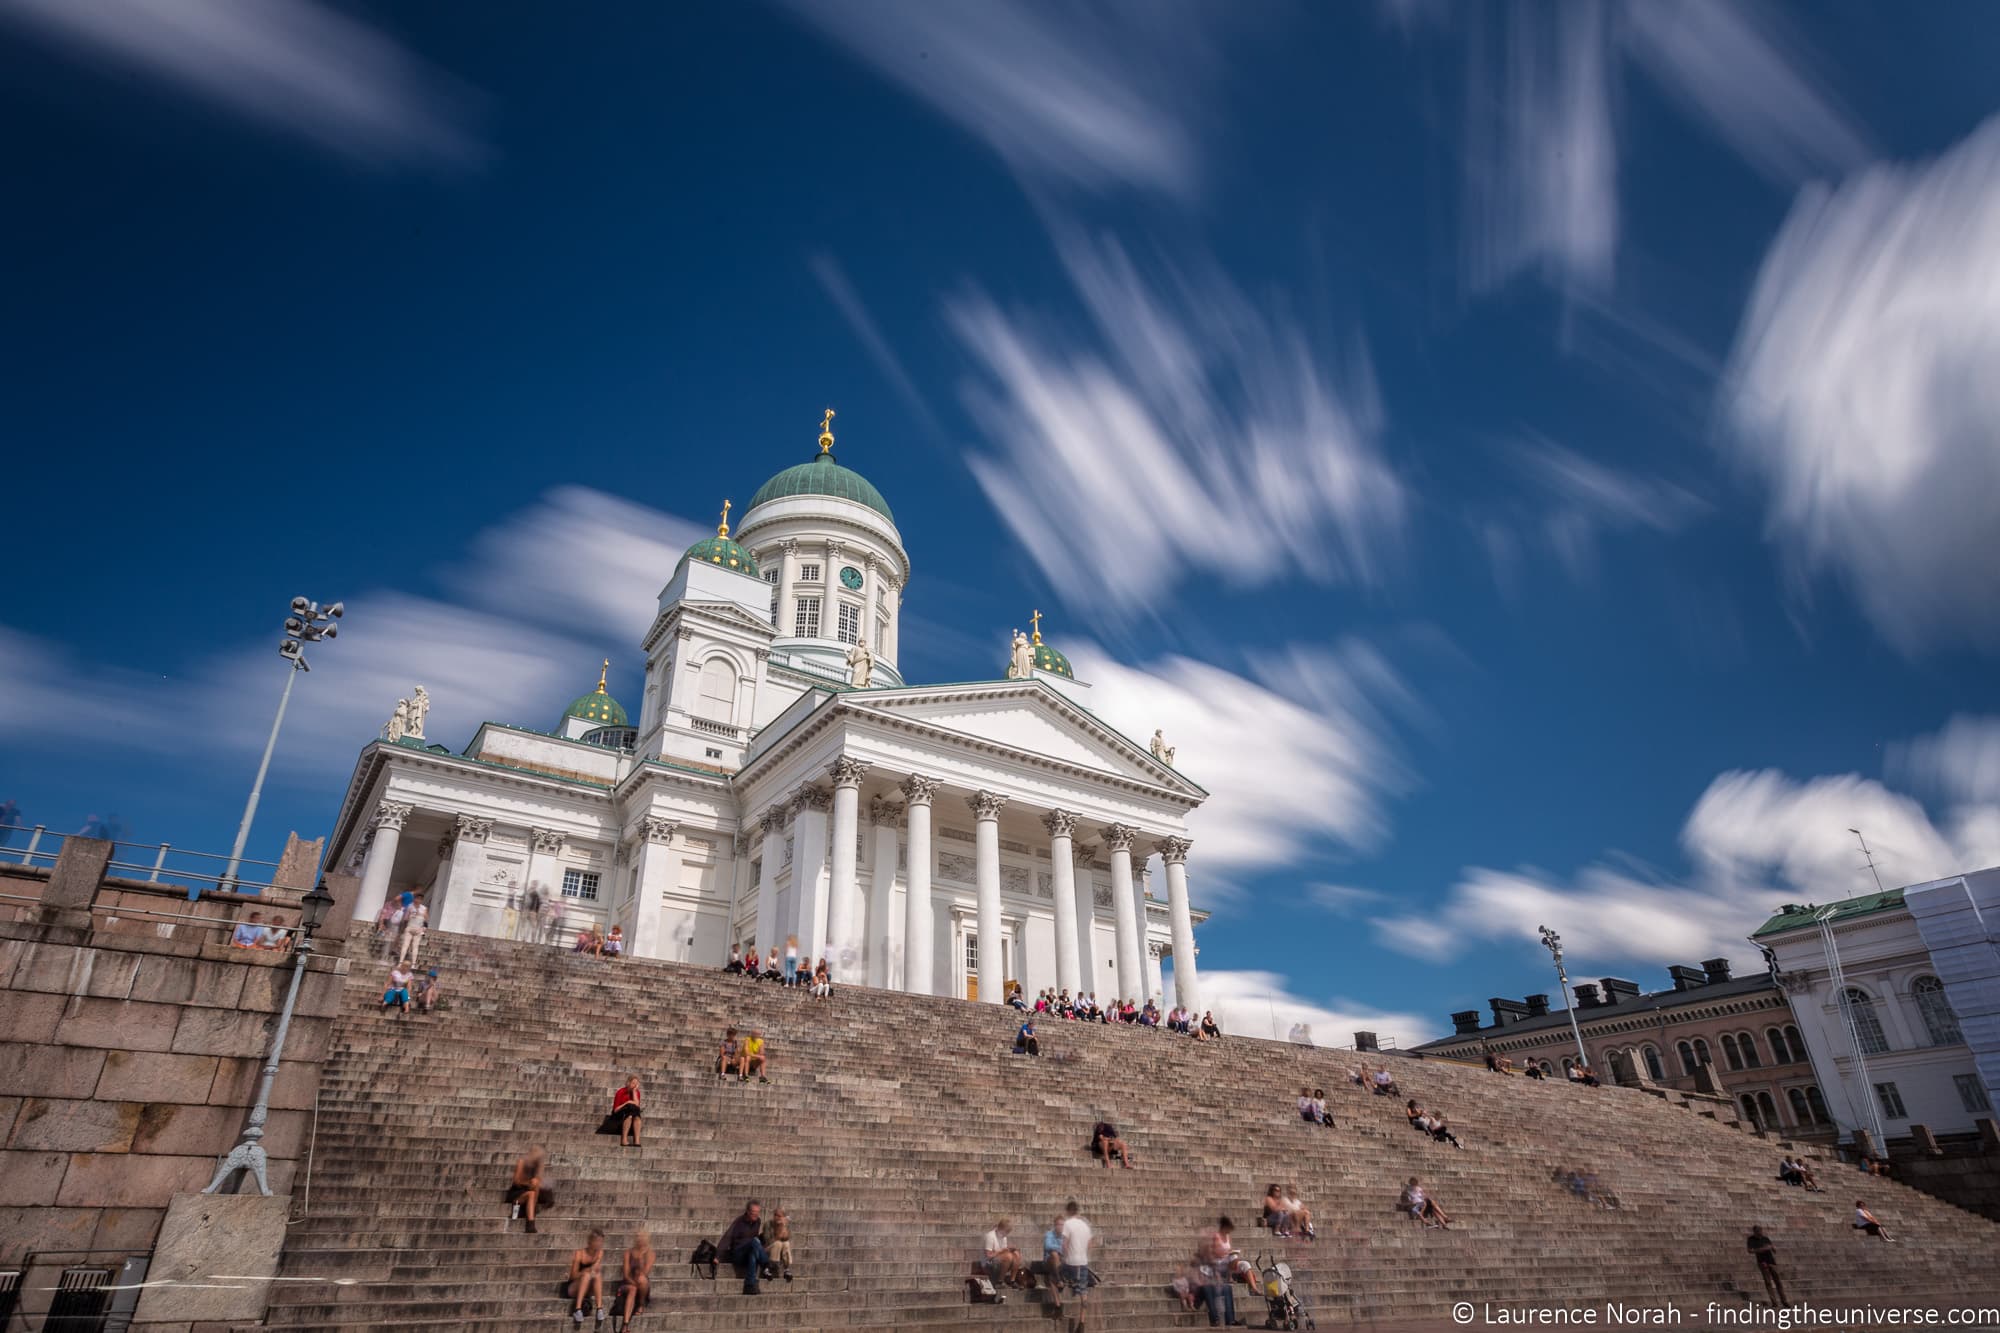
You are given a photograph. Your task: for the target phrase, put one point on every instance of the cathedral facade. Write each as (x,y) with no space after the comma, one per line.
(782,780)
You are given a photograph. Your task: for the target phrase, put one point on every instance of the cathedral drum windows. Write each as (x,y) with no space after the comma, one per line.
(805,618)
(850,623)
(809,572)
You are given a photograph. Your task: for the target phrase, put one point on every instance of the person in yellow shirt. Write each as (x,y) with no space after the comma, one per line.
(753,1056)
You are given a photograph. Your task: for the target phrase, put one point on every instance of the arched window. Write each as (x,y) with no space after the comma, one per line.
(1939,1021)
(1750,1111)
(1568,1064)
(1548,1069)
(1796,1042)
(1654,1070)
(1818,1104)
(1867,1023)
(1767,1110)
(1701,1055)
(1687,1059)
(1780,1055)
(715,695)
(1730,1053)
(1748,1046)
(1801,1113)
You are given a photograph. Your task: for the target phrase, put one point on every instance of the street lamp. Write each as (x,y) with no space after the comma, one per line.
(307,623)
(1554,944)
(249,1154)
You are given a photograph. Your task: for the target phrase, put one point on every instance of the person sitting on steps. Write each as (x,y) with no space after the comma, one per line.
(1208,1031)
(1534,1071)
(1025,1041)
(526,1192)
(1422,1208)
(1105,1143)
(1867,1224)
(752,968)
(1385,1084)
(586,1277)
(1002,1260)
(614,943)
(777,1240)
(1302,1218)
(398,993)
(730,1061)
(625,1110)
(734,967)
(742,1247)
(429,992)
(822,981)
(771,972)
(1306,1111)
(635,1288)
(754,1061)
(1274,1215)
(1320,1113)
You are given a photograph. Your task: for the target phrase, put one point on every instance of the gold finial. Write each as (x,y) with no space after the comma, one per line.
(603,675)
(826,433)
(1036,621)
(722,528)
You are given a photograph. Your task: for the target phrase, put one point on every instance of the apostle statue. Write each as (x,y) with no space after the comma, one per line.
(1022,664)
(1161,750)
(420,707)
(399,721)
(860,665)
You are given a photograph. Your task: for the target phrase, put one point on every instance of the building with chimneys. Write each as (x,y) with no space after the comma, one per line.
(1708,1032)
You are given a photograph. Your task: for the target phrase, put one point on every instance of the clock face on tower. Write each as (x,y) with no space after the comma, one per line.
(850,578)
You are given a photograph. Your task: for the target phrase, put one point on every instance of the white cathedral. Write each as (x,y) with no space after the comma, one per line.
(784,780)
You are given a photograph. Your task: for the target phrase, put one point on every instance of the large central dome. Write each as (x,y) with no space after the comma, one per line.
(823,475)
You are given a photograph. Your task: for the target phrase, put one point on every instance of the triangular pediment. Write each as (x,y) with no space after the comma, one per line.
(1031,718)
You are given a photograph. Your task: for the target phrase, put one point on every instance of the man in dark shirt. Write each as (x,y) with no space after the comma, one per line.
(742,1246)
(1766,1255)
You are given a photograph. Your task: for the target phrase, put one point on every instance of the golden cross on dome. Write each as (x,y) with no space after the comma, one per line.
(722,528)
(1036,621)
(602,675)
(826,433)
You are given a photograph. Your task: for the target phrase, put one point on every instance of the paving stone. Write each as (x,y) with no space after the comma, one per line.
(156,1076)
(44,1124)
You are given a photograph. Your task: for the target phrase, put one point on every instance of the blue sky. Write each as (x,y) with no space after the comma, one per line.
(1537,461)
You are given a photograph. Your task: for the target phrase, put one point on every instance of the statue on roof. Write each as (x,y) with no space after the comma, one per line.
(860,665)
(1021,665)
(1161,750)
(399,722)
(420,708)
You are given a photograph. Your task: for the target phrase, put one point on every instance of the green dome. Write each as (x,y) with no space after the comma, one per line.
(598,706)
(823,476)
(725,552)
(1048,659)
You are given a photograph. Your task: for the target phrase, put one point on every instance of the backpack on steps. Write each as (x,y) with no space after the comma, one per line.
(705,1254)
(979,1289)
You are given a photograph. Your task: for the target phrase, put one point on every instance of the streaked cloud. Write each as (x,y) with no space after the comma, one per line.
(1860,392)
(295,66)
(832,279)
(1340,899)
(1262,1004)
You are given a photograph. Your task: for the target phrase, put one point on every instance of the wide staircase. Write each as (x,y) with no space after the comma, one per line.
(896,1129)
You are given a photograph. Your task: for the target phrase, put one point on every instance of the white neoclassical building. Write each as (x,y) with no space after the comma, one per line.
(782,779)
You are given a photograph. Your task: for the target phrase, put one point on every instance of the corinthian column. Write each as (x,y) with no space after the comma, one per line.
(1187,988)
(1062,882)
(886,817)
(843,915)
(1131,981)
(918,927)
(986,808)
(768,931)
(389,817)
(809,905)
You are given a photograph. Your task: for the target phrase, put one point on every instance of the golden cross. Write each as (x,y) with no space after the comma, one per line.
(723,531)
(1036,621)
(603,675)
(826,432)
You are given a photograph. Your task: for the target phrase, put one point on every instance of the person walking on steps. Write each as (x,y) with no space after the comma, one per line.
(527,1193)
(1215,1259)
(415,921)
(741,1246)
(1074,1274)
(1766,1255)
(635,1289)
(586,1277)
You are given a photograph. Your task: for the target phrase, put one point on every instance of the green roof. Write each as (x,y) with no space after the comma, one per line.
(725,552)
(823,476)
(1792,915)
(1048,659)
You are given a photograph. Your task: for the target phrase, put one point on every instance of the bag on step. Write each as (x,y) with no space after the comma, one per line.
(979,1289)
(705,1255)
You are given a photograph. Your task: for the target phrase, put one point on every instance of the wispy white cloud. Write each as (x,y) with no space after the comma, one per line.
(1961,761)
(1196,431)
(833,281)
(1579,499)
(1067,95)
(297,66)
(1261,1004)
(1860,391)
(1755,840)
(1340,899)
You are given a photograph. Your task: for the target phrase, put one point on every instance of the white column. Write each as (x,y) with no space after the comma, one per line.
(886,817)
(1154,981)
(1086,917)
(1062,884)
(986,807)
(788,582)
(768,932)
(389,818)
(809,807)
(544,871)
(919,928)
(891,635)
(1142,893)
(843,915)
(468,867)
(871,600)
(1187,985)
(659,871)
(1131,978)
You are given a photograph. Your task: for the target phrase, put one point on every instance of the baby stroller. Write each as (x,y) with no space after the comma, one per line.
(1285,1309)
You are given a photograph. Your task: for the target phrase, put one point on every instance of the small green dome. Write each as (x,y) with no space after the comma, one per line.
(598,706)
(823,476)
(1048,659)
(725,552)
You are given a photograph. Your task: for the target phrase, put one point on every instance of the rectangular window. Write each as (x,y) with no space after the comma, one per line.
(771,576)
(805,618)
(580,885)
(1892,1101)
(881,633)
(1971,1092)
(809,573)
(850,623)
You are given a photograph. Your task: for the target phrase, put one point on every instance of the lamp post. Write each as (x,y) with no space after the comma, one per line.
(248,1155)
(307,623)
(1554,944)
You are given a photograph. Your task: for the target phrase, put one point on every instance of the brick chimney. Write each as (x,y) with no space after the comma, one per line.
(1717,968)
(1586,996)
(1465,1022)
(1538,1006)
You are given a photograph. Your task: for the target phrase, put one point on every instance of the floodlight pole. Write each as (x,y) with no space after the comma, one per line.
(1553,943)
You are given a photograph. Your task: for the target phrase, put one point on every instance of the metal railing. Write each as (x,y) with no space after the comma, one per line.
(152,862)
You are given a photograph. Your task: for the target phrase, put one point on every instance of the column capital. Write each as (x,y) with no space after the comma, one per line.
(471,829)
(986,804)
(1155,949)
(1085,853)
(789,545)
(392,814)
(918,789)
(810,797)
(882,810)
(1059,823)
(657,830)
(1173,851)
(773,820)
(847,772)
(1119,837)
(549,842)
